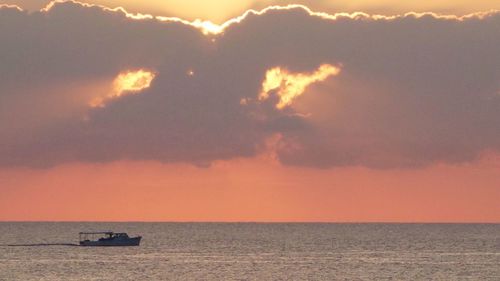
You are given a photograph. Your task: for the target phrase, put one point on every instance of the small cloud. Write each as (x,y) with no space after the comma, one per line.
(289,86)
(126,83)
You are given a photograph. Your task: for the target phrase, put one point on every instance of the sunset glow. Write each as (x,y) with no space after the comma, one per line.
(132,81)
(289,86)
(376,110)
(126,83)
(219,11)
(252,190)
(257,140)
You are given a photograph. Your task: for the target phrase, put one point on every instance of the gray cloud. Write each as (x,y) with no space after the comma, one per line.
(413,90)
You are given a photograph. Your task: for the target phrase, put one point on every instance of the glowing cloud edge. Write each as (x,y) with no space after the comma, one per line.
(289,86)
(209,28)
(128,82)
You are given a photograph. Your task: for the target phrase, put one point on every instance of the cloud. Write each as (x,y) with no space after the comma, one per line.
(412,90)
(126,83)
(385,7)
(290,86)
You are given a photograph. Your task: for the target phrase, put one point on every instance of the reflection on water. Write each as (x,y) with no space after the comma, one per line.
(250,251)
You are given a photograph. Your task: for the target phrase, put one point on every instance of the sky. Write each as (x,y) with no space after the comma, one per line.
(321,111)
(219,11)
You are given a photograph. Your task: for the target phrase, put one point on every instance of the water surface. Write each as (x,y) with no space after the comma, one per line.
(255,251)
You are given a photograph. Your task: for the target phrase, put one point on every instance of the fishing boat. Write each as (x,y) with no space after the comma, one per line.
(108,238)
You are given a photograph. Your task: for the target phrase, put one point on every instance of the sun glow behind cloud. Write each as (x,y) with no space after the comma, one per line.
(289,86)
(208,27)
(126,83)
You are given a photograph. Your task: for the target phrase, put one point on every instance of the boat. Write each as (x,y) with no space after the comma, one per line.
(108,238)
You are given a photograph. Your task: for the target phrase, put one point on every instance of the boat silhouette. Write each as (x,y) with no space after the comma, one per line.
(107,238)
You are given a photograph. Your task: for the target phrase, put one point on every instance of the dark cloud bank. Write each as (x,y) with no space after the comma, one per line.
(412,91)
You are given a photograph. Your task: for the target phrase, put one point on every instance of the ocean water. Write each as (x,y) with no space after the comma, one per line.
(255,251)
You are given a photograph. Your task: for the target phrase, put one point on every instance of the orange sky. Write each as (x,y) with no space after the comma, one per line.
(219,11)
(252,190)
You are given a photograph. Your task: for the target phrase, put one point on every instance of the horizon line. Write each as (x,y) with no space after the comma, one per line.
(252,222)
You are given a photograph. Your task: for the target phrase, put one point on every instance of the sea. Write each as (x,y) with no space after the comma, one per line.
(254,251)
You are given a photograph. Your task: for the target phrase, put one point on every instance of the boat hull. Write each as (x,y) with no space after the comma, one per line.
(134,241)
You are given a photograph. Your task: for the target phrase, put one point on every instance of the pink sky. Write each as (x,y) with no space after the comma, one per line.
(252,190)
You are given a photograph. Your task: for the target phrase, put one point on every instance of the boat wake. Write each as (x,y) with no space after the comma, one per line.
(95,239)
(41,245)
